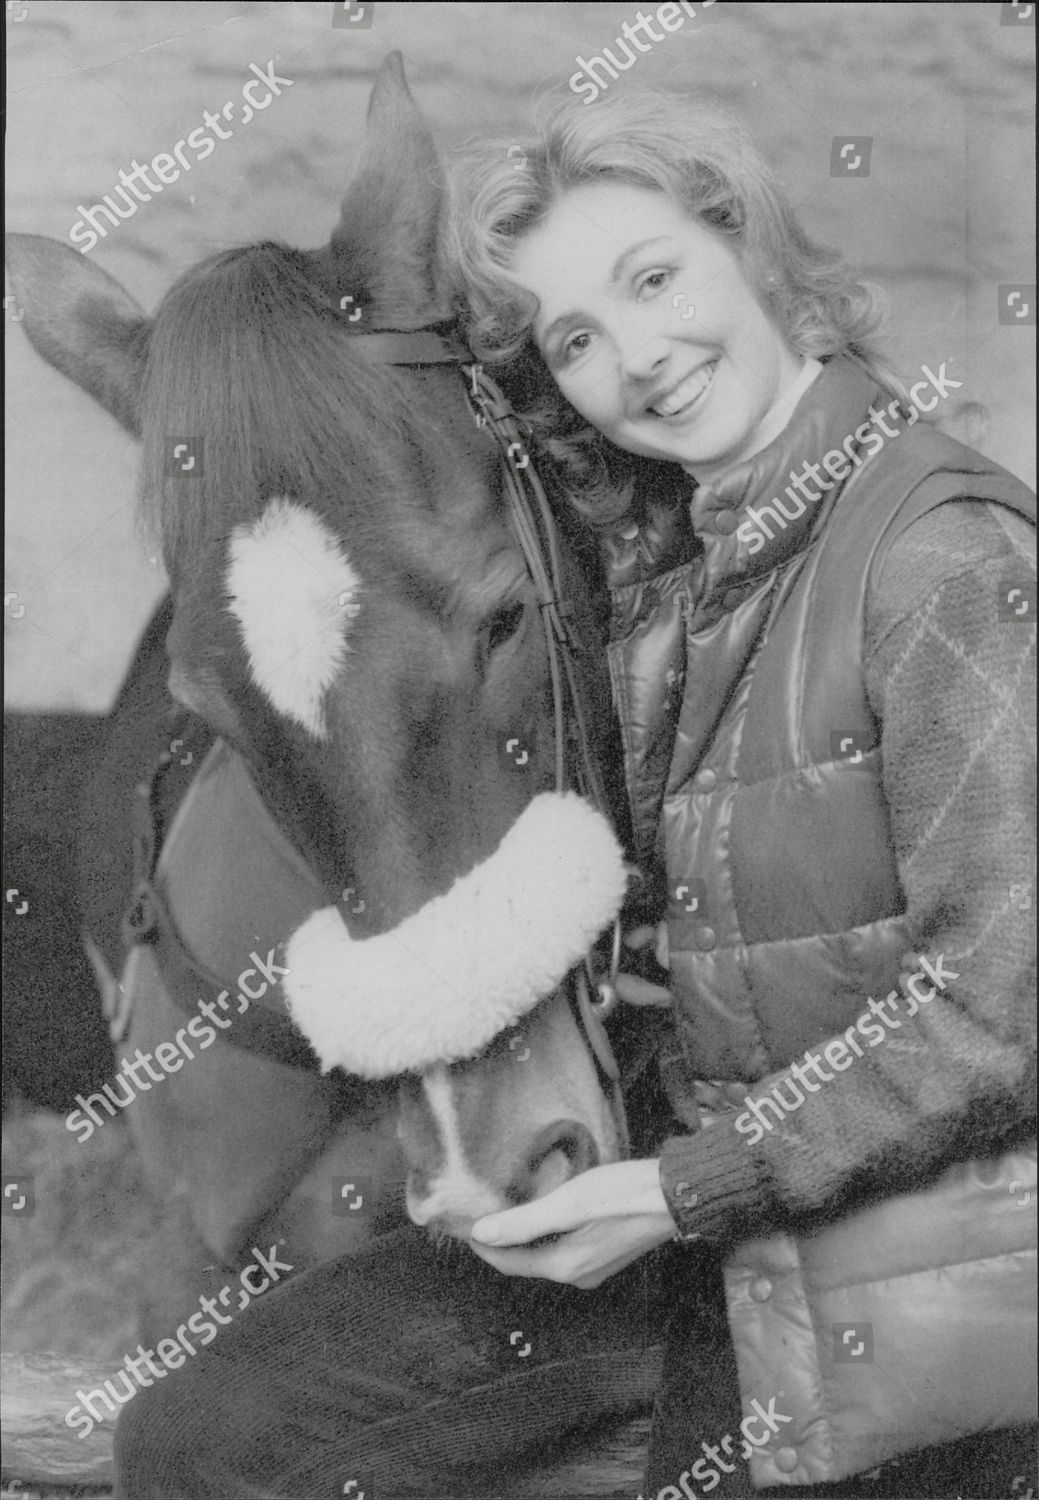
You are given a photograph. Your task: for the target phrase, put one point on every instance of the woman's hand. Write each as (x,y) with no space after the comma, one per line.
(634,990)
(606,1218)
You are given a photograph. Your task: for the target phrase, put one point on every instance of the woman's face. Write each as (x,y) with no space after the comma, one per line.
(651,330)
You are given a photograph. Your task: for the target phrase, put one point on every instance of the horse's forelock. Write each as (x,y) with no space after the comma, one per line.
(247,356)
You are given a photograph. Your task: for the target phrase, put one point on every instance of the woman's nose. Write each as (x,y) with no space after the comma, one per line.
(642,358)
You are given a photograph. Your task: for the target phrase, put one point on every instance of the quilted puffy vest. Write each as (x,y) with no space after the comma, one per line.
(750,745)
(754,779)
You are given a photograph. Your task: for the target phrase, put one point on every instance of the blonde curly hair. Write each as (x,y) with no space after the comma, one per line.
(703,159)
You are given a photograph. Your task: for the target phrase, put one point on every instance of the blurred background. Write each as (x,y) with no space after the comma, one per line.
(943,219)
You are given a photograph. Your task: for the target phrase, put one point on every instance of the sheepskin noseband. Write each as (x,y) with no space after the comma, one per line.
(441,985)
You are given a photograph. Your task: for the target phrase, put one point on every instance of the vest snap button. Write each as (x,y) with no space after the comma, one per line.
(786,1460)
(706,781)
(630,532)
(726,523)
(761,1289)
(706,940)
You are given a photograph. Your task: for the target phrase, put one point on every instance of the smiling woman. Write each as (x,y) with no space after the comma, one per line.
(708,407)
(630,248)
(805,696)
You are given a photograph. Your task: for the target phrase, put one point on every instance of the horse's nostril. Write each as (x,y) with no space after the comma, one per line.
(559,1152)
(574,1141)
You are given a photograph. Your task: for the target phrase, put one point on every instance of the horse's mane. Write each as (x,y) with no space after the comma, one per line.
(249,354)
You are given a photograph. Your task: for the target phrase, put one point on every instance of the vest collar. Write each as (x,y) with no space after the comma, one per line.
(729,515)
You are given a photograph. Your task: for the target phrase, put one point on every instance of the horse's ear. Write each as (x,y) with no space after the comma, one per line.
(384,248)
(82,322)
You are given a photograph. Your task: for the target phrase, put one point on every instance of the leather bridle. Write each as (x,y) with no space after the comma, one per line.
(593,995)
(535,528)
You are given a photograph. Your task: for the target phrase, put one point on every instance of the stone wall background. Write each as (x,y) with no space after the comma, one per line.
(944,218)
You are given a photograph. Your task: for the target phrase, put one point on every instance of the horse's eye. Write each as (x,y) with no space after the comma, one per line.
(503,624)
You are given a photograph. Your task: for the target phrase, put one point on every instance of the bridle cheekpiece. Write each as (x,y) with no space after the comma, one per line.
(536,531)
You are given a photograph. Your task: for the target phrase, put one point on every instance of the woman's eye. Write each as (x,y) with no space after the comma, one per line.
(573,346)
(655,281)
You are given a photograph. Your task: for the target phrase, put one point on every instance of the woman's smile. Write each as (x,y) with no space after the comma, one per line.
(689,392)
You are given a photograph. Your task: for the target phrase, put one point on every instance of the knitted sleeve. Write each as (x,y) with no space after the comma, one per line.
(950,673)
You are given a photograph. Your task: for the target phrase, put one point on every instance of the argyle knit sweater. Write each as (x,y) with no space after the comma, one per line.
(952,686)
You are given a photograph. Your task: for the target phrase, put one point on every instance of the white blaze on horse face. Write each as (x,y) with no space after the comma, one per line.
(454,1190)
(506,1128)
(293,591)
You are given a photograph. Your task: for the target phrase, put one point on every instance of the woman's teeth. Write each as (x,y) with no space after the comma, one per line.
(685,394)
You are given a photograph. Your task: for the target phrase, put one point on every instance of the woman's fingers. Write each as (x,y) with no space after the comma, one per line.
(636,991)
(518,1226)
(638,937)
(641,937)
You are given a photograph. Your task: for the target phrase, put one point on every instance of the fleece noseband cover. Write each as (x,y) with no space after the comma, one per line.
(440,986)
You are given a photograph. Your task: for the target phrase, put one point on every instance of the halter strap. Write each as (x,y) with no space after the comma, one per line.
(416,346)
(535,529)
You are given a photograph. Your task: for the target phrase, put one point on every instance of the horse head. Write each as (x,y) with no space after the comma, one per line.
(353,613)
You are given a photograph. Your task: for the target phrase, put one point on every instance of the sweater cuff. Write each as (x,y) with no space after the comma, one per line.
(714,1186)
